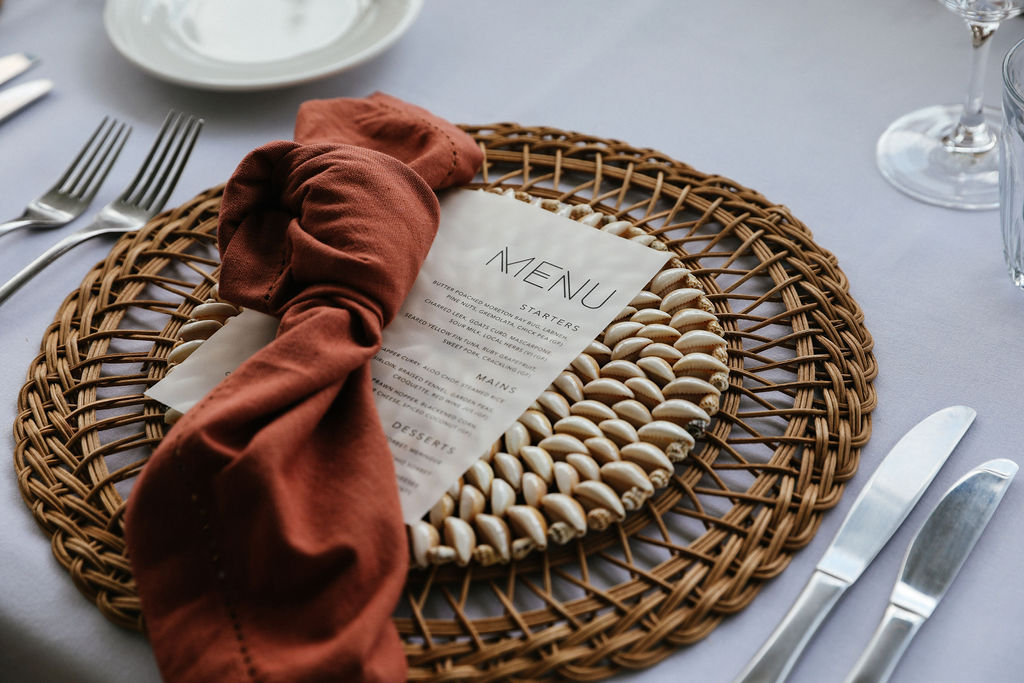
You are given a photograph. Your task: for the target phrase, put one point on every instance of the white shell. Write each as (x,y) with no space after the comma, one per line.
(702,341)
(516,437)
(471,502)
(684,297)
(554,404)
(682,412)
(579,427)
(422,537)
(496,534)
(661,350)
(695,390)
(538,461)
(534,488)
(509,468)
(183,351)
(657,369)
(693,319)
(444,507)
(645,299)
(537,423)
(585,465)
(625,315)
(480,475)
(619,431)
(441,554)
(617,227)
(645,391)
(502,497)
(650,316)
(630,348)
(706,366)
(663,433)
(460,536)
(630,481)
(670,278)
(526,521)
(214,310)
(570,385)
(597,494)
(632,411)
(598,351)
(560,445)
(566,476)
(621,370)
(199,329)
(562,508)
(607,390)
(659,332)
(647,455)
(595,411)
(620,331)
(586,367)
(603,449)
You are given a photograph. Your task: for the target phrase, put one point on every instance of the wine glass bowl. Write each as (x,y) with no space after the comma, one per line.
(984,11)
(948,154)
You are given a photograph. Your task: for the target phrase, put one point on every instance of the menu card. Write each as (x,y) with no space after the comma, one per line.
(508,295)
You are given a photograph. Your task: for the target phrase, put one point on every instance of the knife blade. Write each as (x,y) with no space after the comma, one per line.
(13,99)
(886,500)
(12,65)
(933,560)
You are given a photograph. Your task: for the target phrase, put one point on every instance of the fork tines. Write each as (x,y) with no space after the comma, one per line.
(163,165)
(86,173)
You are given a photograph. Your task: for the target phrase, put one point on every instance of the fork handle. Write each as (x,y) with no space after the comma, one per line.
(18,224)
(41,261)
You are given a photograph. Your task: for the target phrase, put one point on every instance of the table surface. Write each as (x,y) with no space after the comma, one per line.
(786,97)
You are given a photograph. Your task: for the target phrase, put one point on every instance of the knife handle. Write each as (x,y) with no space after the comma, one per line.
(780,652)
(887,645)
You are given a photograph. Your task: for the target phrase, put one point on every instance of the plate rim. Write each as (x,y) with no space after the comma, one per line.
(408,15)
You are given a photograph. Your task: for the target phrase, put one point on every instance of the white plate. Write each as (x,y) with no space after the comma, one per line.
(253,44)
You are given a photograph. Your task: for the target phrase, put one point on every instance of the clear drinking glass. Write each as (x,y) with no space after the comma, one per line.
(1011,164)
(948,154)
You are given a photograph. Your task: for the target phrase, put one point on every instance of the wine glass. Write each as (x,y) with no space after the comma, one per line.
(947,154)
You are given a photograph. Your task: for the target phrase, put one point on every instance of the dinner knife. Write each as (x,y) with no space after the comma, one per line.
(886,500)
(13,99)
(932,562)
(12,65)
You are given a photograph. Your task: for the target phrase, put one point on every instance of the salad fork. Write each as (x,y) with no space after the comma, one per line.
(140,201)
(73,192)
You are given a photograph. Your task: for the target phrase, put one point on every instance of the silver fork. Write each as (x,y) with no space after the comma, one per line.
(141,200)
(70,195)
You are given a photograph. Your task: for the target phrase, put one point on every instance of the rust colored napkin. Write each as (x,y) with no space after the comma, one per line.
(265,532)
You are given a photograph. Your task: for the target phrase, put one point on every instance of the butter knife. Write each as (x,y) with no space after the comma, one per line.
(12,65)
(886,500)
(13,99)
(933,560)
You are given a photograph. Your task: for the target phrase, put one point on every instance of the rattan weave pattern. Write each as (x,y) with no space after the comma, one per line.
(786,439)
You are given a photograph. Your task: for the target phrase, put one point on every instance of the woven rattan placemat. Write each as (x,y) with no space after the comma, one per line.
(787,436)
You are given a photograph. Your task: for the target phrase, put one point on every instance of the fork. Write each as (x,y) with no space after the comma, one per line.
(70,195)
(140,201)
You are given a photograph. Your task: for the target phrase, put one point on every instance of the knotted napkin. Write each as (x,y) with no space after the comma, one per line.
(265,532)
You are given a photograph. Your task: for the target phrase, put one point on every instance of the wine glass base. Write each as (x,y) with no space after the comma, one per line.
(911,155)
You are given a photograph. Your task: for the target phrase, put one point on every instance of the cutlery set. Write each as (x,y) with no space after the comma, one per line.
(932,561)
(142,199)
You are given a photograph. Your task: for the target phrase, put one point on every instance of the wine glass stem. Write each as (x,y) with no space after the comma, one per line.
(972,135)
